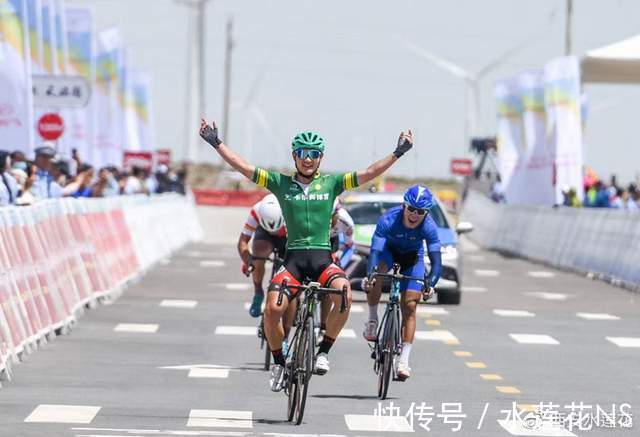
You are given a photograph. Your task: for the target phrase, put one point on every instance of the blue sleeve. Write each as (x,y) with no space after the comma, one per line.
(430,235)
(436,268)
(346,257)
(378,241)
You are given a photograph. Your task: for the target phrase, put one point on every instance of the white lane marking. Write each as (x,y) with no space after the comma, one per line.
(220,419)
(236,330)
(546,429)
(213,263)
(194,366)
(110,435)
(548,296)
(177,303)
(487,273)
(363,422)
(130,432)
(280,434)
(474,289)
(534,339)
(347,333)
(625,341)
(63,414)
(141,328)
(208,373)
(240,286)
(357,308)
(513,313)
(435,335)
(247,305)
(542,274)
(597,316)
(430,309)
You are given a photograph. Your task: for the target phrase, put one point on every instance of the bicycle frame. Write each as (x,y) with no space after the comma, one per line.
(388,344)
(301,353)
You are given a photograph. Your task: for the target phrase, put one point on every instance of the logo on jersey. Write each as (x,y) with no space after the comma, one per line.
(302,196)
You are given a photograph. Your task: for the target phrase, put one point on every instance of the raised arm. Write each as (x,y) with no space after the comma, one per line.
(405,143)
(209,133)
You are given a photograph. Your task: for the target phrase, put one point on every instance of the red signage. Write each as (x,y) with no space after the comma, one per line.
(163,157)
(50,126)
(462,167)
(142,160)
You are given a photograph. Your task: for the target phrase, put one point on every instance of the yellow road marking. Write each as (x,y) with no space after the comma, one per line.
(432,322)
(491,377)
(462,354)
(476,365)
(507,389)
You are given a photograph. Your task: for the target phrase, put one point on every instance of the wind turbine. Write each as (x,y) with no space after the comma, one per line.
(472,80)
(254,115)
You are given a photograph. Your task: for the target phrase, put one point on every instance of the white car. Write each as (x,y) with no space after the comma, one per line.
(366,209)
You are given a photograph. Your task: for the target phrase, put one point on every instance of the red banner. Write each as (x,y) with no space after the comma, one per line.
(163,157)
(462,167)
(142,160)
(228,197)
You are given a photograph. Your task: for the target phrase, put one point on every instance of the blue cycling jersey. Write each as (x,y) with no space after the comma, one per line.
(392,235)
(391,231)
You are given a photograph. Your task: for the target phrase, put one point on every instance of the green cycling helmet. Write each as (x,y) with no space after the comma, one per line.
(308,140)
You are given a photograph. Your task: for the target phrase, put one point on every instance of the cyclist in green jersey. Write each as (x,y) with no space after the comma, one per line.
(306,199)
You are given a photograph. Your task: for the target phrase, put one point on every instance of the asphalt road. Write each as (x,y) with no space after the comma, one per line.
(524,334)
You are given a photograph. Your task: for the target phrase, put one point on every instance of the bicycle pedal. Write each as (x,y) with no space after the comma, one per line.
(373,355)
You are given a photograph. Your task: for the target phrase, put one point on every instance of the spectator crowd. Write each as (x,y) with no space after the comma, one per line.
(51,176)
(599,194)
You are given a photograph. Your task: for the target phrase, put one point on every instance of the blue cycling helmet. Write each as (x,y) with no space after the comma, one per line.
(419,197)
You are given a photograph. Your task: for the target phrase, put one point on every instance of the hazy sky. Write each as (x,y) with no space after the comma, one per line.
(338,67)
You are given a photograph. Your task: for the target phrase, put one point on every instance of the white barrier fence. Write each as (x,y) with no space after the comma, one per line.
(604,242)
(59,256)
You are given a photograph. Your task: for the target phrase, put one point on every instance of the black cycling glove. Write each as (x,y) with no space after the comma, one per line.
(404,146)
(210,135)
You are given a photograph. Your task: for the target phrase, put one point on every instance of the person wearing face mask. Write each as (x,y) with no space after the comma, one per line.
(306,199)
(19,161)
(9,187)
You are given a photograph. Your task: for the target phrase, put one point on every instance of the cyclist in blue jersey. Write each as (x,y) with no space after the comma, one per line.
(399,238)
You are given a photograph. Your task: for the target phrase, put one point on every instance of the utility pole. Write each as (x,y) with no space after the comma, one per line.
(567,30)
(196,89)
(227,81)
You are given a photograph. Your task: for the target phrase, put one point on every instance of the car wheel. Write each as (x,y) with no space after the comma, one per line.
(449,297)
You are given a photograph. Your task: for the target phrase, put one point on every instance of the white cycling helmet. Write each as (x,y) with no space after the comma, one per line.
(270,214)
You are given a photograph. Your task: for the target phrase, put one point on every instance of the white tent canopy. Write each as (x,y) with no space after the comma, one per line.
(615,63)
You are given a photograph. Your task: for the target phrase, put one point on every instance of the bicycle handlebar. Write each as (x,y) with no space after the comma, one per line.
(398,276)
(317,289)
(273,258)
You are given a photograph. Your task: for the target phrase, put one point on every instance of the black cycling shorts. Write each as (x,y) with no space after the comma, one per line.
(279,244)
(300,265)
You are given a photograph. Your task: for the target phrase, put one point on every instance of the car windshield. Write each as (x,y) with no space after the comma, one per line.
(368,213)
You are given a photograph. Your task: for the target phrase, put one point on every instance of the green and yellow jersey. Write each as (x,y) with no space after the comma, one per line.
(306,209)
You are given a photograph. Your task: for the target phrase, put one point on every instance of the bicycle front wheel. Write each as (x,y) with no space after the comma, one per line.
(386,356)
(305,367)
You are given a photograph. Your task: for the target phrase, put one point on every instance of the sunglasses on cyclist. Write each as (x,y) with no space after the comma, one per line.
(419,211)
(311,153)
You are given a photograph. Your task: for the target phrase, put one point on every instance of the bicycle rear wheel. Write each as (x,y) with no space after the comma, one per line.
(305,367)
(291,382)
(386,352)
(264,344)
